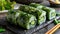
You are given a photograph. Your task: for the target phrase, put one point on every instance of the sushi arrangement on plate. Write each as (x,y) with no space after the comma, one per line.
(28,16)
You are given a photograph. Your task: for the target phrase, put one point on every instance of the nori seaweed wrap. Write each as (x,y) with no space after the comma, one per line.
(40,14)
(22,19)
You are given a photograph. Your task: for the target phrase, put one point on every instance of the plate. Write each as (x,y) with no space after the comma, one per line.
(19,30)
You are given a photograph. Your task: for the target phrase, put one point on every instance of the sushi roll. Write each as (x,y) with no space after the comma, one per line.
(26,20)
(22,19)
(37,13)
(41,18)
(50,13)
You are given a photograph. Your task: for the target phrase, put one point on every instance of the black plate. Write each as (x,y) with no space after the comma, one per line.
(19,30)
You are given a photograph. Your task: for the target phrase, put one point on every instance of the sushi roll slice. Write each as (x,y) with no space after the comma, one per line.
(50,13)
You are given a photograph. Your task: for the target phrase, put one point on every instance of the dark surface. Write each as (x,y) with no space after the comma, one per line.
(28,1)
(7,32)
(41,31)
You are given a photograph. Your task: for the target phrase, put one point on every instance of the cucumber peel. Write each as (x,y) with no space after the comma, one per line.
(56,21)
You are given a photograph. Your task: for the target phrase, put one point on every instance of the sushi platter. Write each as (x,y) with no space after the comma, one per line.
(26,18)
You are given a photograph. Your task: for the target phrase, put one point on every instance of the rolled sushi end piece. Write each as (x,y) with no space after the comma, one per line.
(42,18)
(12,16)
(50,13)
(39,6)
(26,21)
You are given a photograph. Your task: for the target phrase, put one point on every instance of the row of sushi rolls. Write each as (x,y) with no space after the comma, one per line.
(27,16)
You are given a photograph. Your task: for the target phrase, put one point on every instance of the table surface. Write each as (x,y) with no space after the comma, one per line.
(41,31)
